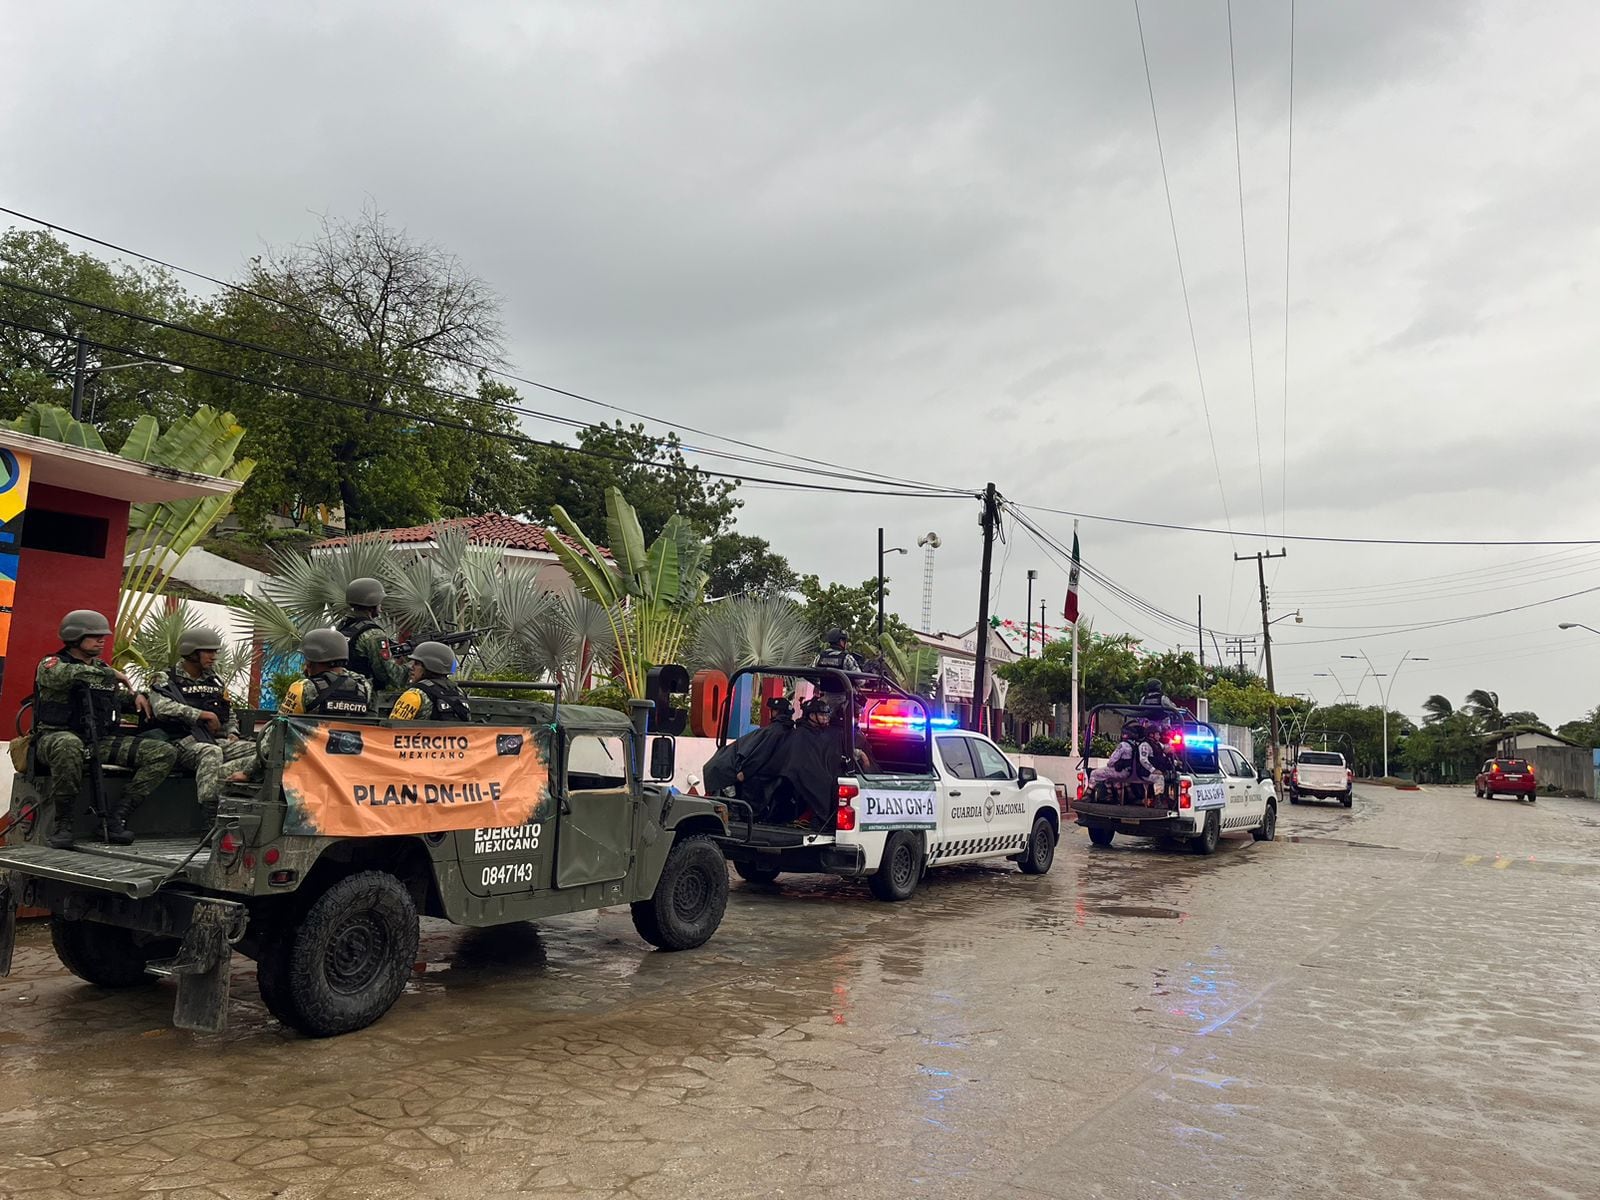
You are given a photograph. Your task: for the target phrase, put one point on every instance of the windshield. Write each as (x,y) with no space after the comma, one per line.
(1320,758)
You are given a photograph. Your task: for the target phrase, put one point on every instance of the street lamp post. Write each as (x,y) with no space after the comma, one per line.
(1385,692)
(1577,625)
(1027,620)
(80,372)
(881,553)
(1328,674)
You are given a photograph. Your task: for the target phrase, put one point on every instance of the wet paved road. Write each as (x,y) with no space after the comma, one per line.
(1402,1000)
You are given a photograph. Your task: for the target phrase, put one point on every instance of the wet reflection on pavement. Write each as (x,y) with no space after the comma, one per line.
(1395,1000)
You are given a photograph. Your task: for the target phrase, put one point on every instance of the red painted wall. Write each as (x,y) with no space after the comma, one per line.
(49,585)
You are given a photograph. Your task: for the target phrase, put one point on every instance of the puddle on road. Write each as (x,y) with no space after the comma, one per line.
(1150,912)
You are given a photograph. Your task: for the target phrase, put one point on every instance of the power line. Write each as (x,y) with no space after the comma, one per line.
(373,377)
(1307,537)
(482,368)
(463,426)
(1288,220)
(1391,630)
(1244,255)
(1183,281)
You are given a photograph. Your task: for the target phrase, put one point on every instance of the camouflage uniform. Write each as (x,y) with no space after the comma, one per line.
(212,761)
(370,653)
(59,742)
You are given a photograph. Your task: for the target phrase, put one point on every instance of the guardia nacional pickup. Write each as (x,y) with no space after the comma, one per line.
(359,826)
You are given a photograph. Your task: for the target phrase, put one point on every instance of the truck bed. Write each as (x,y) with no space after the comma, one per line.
(136,871)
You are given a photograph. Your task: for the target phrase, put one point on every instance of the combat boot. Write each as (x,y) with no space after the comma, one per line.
(117,831)
(61,837)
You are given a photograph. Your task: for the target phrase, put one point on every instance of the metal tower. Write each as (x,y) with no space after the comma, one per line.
(931,542)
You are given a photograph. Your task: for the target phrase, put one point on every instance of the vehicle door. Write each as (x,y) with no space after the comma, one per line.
(1245,798)
(1006,804)
(961,798)
(595,812)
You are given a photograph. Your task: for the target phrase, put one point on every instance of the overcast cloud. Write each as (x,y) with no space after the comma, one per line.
(931,239)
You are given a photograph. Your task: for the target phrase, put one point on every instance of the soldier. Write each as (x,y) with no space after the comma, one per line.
(838,654)
(329,686)
(194,708)
(75,708)
(433,695)
(370,653)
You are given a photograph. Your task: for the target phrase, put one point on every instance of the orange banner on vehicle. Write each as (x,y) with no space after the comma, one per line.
(349,780)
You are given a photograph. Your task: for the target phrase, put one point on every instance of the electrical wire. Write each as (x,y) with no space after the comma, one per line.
(1288,226)
(1183,280)
(476,367)
(463,426)
(1244,255)
(1307,537)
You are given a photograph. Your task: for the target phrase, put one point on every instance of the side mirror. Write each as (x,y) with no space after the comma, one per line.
(1263,776)
(1025,776)
(663,759)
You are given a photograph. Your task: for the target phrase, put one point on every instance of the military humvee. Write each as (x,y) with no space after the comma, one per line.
(358,827)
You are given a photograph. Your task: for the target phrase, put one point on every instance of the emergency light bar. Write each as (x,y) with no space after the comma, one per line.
(896,714)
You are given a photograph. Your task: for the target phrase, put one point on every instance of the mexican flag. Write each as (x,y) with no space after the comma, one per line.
(1070,611)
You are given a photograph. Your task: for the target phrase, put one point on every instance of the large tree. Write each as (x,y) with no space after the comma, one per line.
(854,610)
(742,564)
(649,470)
(395,333)
(38,361)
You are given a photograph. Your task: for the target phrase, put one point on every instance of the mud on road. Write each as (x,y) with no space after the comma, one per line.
(1398,1000)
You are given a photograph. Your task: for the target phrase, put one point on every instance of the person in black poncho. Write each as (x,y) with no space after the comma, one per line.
(810,765)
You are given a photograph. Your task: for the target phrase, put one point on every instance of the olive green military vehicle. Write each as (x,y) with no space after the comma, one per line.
(320,872)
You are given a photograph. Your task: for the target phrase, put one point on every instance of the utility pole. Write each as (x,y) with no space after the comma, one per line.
(1027,621)
(880,586)
(79,366)
(1200,634)
(987,520)
(1261,557)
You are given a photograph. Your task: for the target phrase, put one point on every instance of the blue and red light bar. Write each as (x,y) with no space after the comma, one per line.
(894,715)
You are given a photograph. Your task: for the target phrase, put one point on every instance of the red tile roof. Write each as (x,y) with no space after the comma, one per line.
(511,532)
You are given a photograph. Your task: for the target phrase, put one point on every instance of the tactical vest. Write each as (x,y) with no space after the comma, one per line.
(337,693)
(98,716)
(839,660)
(448,702)
(353,628)
(206,693)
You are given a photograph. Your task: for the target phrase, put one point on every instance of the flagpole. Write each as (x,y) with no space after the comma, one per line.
(1074,750)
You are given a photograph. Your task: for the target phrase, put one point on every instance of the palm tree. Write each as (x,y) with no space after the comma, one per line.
(1485,707)
(742,631)
(1438,708)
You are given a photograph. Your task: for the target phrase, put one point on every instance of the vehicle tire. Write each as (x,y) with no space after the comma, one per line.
(1210,834)
(272,979)
(1101,837)
(1488,794)
(1268,829)
(1041,851)
(1477,791)
(900,869)
(752,873)
(1532,797)
(344,964)
(1348,799)
(1294,797)
(107,956)
(689,899)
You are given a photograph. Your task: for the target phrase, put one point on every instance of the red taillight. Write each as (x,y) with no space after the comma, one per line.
(845,822)
(1184,800)
(1294,775)
(1530,768)
(1349,775)
(229,844)
(271,856)
(1494,768)
(1081,785)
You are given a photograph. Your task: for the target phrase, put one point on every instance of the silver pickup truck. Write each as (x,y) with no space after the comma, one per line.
(1321,775)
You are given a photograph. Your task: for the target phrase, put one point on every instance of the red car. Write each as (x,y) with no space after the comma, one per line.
(1507,777)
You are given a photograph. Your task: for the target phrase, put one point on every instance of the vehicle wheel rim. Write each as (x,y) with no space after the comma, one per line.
(1041,845)
(900,869)
(356,954)
(689,894)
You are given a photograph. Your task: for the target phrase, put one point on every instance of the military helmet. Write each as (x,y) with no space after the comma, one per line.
(1153,685)
(836,637)
(194,640)
(364,593)
(816,705)
(435,657)
(325,646)
(81,623)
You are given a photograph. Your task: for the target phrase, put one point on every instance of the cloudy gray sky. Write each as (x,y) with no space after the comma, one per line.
(932,239)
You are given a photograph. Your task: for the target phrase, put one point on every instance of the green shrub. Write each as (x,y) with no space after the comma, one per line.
(1040,744)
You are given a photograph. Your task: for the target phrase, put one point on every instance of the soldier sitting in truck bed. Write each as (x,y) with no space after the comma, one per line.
(77,700)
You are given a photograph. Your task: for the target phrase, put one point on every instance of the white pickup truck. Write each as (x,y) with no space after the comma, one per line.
(1321,775)
(1210,790)
(930,795)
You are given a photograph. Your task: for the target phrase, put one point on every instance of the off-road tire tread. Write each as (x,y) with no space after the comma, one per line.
(104,955)
(659,923)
